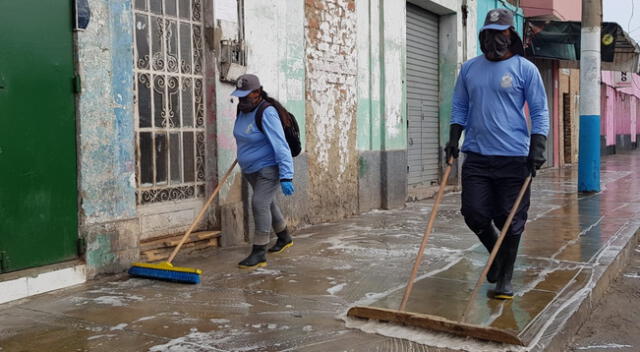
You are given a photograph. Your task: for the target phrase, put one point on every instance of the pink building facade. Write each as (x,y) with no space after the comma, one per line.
(619,104)
(559,10)
(619,125)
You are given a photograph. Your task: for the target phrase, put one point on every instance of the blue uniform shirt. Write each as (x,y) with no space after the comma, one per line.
(257,150)
(488,101)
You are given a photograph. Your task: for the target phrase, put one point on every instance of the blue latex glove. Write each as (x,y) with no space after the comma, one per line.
(287,187)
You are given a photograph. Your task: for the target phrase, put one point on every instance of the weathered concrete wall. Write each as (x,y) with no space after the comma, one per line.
(331,100)
(449,62)
(381,111)
(106,137)
(274,37)
(369,113)
(230,196)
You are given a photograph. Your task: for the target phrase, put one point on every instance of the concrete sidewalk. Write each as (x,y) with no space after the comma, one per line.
(573,246)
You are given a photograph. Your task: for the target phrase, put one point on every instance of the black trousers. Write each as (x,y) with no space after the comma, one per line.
(490,186)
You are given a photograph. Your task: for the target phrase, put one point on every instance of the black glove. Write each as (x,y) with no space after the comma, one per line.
(536,153)
(451,149)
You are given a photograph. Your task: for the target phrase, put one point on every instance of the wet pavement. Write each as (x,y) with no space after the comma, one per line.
(613,323)
(571,245)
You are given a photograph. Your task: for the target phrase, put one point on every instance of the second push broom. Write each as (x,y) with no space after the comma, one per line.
(165,270)
(432,322)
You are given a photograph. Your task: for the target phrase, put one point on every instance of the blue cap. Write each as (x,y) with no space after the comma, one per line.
(245,85)
(499,20)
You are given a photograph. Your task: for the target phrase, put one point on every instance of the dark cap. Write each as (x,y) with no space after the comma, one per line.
(245,85)
(498,19)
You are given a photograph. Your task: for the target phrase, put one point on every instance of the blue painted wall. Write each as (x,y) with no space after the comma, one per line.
(105,113)
(106,138)
(122,94)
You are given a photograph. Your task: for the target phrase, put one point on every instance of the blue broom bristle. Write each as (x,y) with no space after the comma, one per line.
(167,275)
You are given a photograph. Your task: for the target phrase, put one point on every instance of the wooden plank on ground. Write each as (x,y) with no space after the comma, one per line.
(173,240)
(163,253)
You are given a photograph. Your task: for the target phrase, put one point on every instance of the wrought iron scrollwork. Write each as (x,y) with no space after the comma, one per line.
(169,65)
(166,194)
(197,49)
(197,10)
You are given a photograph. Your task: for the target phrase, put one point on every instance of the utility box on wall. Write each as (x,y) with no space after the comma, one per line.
(232,60)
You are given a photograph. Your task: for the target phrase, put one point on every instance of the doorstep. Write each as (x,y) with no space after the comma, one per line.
(25,283)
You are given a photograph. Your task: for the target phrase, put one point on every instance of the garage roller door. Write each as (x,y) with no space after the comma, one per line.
(422,96)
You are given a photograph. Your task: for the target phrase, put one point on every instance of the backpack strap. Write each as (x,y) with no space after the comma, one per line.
(260,110)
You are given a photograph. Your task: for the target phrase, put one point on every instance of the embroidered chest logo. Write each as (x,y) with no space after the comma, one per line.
(506,81)
(249,128)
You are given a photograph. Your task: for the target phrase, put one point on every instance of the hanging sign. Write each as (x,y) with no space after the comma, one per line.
(622,79)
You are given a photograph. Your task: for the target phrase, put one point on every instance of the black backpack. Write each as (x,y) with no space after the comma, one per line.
(289,125)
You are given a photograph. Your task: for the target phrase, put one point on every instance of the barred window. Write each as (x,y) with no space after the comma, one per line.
(170,109)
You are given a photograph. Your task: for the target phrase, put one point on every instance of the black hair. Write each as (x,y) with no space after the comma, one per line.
(284,114)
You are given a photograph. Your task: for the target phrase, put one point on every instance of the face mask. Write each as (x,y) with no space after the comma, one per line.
(247,104)
(494,44)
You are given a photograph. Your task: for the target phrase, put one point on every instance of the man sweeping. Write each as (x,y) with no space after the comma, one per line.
(501,149)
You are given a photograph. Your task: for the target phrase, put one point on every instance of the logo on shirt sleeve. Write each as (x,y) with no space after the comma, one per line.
(506,81)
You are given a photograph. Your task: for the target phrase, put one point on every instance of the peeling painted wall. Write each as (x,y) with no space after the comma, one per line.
(106,136)
(275,31)
(382,102)
(274,40)
(331,98)
(105,108)
(381,109)
(381,33)
(226,116)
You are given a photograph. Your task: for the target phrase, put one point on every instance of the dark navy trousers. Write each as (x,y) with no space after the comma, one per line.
(490,186)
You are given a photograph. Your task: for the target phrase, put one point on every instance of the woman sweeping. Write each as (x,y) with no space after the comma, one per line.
(266,162)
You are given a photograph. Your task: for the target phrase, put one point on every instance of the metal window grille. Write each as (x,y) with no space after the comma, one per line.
(170,110)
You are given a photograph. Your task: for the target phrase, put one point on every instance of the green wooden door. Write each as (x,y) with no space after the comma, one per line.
(38,193)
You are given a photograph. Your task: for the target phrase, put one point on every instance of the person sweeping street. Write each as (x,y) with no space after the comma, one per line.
(501,150)
(266,162)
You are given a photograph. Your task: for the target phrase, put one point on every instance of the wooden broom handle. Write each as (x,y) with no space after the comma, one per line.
(496,246)
(202,211)
(425,238)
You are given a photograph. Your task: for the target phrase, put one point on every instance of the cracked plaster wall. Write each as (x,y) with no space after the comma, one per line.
(331,99)
(106,137)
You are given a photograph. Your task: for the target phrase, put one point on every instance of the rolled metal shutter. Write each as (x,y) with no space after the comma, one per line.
(422,96)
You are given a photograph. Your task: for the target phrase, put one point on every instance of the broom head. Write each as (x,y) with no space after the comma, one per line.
(165,271)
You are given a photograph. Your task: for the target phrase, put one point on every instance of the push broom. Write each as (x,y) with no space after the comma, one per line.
(431,322)
(165,270)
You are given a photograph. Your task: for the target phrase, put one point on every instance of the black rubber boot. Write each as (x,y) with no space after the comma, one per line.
(488,238)
(504,289)
(284,241)
(256,259)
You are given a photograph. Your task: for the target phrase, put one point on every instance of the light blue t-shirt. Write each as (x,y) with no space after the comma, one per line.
(488,101)
(257,150)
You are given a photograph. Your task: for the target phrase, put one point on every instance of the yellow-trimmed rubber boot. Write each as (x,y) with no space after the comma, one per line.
(284,241)
(257,258)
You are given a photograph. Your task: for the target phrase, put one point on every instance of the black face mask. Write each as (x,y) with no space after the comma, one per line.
(494,44)
(247,104)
